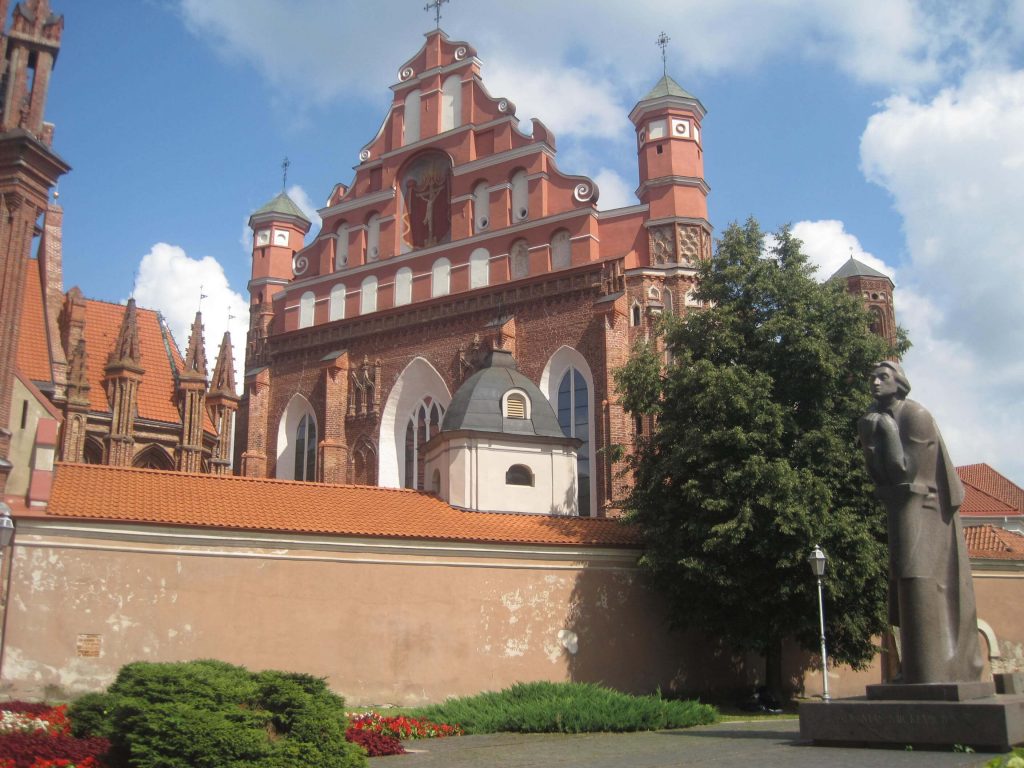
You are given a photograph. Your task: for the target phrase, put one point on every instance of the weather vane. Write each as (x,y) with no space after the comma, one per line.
(436,7)
(201,297)
(663,41)
(284,173)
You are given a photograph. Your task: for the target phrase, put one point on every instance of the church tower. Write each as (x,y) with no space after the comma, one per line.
(28,171)
(192,400)
(278,231)
(671,164)
(876,293)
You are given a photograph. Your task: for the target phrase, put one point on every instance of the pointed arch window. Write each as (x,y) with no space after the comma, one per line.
(305,449)
(411,125)
(307,304)
(574,419)
(423,424)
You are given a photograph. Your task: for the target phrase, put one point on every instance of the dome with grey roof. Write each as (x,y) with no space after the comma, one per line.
(477,404)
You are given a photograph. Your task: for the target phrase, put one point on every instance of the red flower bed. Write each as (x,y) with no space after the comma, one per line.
(402,727)
(375,744)
(25,749)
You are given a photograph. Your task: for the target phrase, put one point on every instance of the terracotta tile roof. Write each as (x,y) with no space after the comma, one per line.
(981,478)
(33,347)
(160,358)
(992,543)
(172,498)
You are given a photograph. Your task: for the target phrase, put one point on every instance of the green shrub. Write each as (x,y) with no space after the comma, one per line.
(544,707)
(1014,759)
(208,714)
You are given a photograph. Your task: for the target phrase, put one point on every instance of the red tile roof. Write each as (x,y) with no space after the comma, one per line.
(33,348)
(993,494)
(172,498)
(160,358)
(992,543)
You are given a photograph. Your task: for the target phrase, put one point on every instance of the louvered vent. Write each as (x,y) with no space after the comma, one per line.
(515,407)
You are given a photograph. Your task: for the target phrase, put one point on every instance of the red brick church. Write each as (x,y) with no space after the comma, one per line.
(460,234)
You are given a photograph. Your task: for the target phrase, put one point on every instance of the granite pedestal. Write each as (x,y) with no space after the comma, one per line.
(933,716)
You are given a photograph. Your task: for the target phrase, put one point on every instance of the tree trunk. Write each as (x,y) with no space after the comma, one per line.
(773,669)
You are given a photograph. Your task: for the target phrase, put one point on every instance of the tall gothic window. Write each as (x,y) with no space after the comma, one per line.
(307,304)
(411,123)
(403,286)
(561,250)
(305,449)
(451,102)
(423,424)
(574,419)
(520,257)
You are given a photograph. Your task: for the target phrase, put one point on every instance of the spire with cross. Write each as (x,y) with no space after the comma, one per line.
(663,41)
(435,6)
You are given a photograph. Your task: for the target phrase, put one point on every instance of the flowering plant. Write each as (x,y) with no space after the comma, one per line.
(401,726)
(42,762)
(39,736)
(52,720)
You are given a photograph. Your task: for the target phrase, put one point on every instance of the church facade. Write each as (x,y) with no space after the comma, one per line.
(459,235)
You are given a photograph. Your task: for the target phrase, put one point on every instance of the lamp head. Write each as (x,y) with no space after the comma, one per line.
(817,562)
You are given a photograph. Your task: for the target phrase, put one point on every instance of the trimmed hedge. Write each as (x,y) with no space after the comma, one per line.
(544,707)
(209,714)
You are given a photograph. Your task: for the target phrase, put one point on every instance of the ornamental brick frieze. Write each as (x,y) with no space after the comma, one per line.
(662,244)
(688,242)
(324,338)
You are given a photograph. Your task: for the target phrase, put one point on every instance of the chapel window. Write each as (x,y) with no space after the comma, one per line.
(515,406)
(519,474)
(574,419)
(424,423)
(305,449)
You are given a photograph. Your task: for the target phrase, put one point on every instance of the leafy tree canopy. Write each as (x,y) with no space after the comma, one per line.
(753,457)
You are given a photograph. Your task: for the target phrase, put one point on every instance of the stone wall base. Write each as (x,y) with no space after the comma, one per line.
(992,724)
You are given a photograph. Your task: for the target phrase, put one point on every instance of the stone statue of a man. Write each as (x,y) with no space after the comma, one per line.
(931,595)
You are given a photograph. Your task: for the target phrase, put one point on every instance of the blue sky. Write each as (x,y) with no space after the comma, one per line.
(890,127)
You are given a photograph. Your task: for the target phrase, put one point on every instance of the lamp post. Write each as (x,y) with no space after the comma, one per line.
(817,562)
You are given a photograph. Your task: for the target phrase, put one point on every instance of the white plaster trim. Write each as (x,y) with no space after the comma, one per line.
(674,270)
(679,220)
(353,205)
(629,210)
(418,379)
(128,537)
(682,181)
(990,635)
(503,157)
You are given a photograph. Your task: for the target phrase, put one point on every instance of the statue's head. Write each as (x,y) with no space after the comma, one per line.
(888,378)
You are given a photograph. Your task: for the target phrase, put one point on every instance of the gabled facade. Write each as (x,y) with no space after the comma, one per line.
(460,234)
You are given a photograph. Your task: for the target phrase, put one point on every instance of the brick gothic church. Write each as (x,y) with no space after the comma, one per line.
(458,235)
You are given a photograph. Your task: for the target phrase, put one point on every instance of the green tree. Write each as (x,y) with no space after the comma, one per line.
(753,458)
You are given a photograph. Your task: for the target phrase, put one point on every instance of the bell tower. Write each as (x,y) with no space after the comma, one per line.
(670,157)
(28,171)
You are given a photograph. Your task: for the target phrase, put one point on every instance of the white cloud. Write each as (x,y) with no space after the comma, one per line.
(301,199)
(951,166)
(829,246)
(170,282)
(615,191)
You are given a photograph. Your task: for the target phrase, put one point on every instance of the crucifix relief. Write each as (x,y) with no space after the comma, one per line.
(426,191)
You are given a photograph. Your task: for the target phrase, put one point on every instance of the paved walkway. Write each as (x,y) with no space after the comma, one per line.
(765,744)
